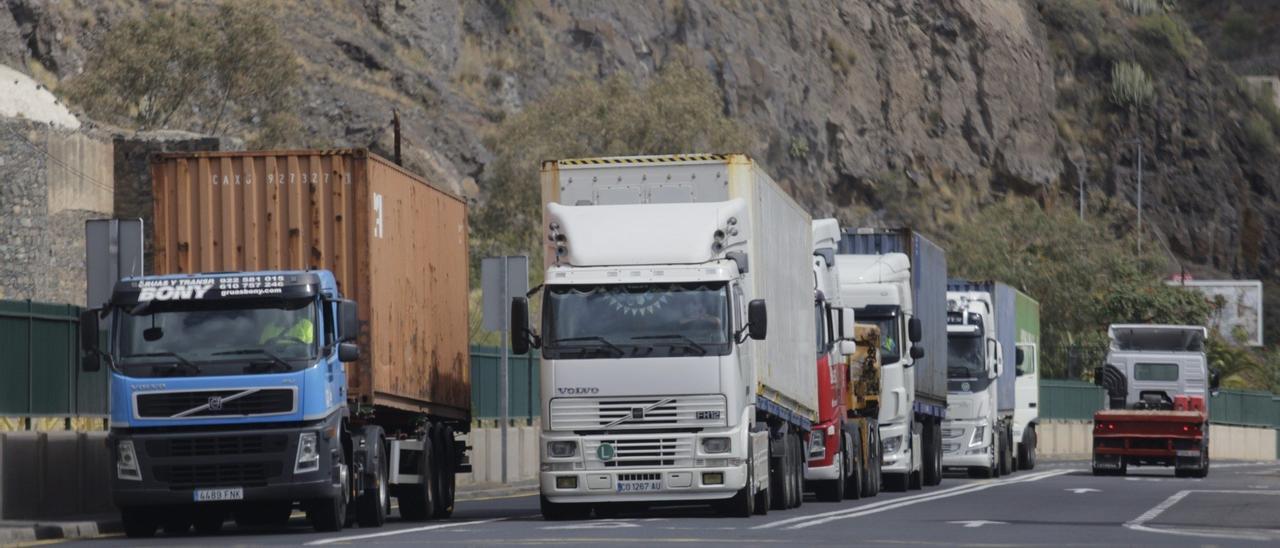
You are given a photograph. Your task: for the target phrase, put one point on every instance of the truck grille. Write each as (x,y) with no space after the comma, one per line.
(638,413)
(235,402)
(241,474)
(951,433)
(218,446)
(642,452)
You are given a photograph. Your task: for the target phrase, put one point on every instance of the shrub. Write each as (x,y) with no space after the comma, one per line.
(1165,32)
(1141,7)
(678,111)
(196,70)
(1130,86)
(1258,134)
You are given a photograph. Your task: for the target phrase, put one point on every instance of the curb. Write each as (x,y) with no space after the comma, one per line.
(481,491)
(12,532)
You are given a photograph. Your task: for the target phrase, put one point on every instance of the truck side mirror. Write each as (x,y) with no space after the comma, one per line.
(757,319)
(348,352)
(1019,358)
(348,322)
(848,348)
(914,331)
(916,352)
(848,329)
(90,357)
(520,326)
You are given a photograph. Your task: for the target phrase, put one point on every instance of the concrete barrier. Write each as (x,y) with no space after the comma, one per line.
(1074,439)
(486,453)
(46,475)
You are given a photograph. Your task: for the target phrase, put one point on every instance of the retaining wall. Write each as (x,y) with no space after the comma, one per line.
(485,440)
(1074,439)
(48,475)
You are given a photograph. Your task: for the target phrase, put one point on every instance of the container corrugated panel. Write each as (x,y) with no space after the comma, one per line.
(1066,399)
(40,363)
(929,288)
(1006,322)
(396,244)
(781,245)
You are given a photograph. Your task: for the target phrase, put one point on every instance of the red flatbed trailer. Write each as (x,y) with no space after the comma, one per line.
(1151,437)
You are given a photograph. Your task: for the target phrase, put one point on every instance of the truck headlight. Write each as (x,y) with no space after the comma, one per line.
(308,454)
(817,443)
(127,462)
(979,435)
(714,446)
(891,445)
(562,449)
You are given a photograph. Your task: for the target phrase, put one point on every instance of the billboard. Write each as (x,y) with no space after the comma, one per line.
(1238,307)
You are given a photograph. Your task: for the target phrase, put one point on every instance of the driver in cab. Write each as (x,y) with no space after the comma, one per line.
(281,330)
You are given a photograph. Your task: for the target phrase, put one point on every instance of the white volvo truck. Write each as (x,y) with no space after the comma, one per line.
(660,381)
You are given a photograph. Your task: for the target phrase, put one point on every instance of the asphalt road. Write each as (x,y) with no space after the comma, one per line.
(1058,504)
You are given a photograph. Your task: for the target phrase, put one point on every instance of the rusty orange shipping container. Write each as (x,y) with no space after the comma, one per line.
(396,243)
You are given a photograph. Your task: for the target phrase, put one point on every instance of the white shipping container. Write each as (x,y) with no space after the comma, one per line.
(779,247)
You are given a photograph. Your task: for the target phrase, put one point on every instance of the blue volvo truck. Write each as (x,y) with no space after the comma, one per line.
(329,386)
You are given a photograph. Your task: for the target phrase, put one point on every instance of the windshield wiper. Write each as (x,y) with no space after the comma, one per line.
(601,340)
(275,359)
(690,343)
(173,366)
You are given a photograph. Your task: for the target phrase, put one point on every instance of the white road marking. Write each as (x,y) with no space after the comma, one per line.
(1139,523)
(1082,490)
(401,531)
(978,523)
(611,524)
(826,517)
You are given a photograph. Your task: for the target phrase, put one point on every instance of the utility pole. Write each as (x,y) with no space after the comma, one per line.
(1139,196)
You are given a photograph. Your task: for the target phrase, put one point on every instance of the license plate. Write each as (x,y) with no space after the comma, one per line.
(213,495)
(639,486)
(1188,453)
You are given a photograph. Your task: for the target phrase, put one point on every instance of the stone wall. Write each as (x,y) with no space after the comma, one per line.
(51,181)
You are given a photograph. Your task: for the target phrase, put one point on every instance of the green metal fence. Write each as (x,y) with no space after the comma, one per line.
(1068,399)
(1245,408)
(486,395)
(1063,399)
(39,363)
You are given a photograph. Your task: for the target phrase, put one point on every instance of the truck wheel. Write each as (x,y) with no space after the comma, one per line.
(779,474)
(208,522)
(853,478)
(446,468)
(801,461)
(933,450)
(917,480)
(138,522)
(418,501)
(557,511)
(374,504)
(1027,449)
(330,515)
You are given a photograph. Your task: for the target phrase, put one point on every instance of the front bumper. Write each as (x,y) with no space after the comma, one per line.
(669,466)
(175,463)
(959,449)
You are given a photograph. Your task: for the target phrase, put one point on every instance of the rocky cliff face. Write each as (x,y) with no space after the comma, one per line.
(916,110)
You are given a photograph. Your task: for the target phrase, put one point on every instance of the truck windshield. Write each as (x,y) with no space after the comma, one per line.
(964,357)
(890,352)
(636,320)
(229,339)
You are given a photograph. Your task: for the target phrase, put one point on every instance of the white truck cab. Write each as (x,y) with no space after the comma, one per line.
(974,357)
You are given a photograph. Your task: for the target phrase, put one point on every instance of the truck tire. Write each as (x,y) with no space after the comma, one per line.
(375,503)
(917,480)
(446,466)
(1027,449)
(854,476)
(138,522)
(779,474)
(330,515)
(555,511)
(933,450)
(871,483)
(1006,454)
(799,461)
(418,501)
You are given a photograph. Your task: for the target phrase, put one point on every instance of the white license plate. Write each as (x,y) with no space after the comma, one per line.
(1188,453)
(639,486)
(213,495)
